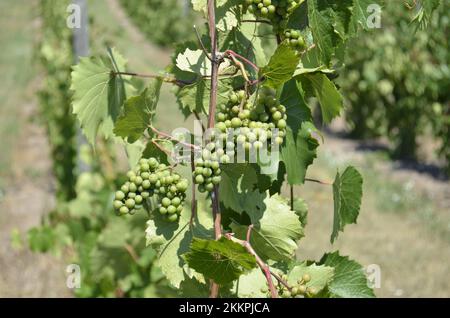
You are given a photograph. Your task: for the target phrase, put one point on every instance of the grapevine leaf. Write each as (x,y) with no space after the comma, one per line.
(171,240)
(222,261)
(238,188)
(326,92)
(321,275)
(276,230)
(347,193)
(297,111)
(299,152)
(98,93)
(194,61)
(251,284)
(195,97)
(349,279)
(138,113)
(322,29)
(281,66)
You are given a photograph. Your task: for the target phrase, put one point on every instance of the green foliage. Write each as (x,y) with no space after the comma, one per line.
(258,226)
(164,22)
(222,261)
(55,55)
(349,279)
(396,83)
(347,193)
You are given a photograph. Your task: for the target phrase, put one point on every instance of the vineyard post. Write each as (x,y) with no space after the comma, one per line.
(81,49)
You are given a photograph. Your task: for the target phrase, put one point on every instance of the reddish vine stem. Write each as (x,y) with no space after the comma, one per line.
(262,265)
(280,280)
(318,181)
(170,137)
(232,53)
(215,63)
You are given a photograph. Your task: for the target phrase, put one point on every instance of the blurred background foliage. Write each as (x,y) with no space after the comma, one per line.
(396,81)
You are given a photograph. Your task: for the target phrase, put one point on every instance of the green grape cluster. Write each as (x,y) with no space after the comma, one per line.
(151,178)
(294,39)
(252,123)
(207,168)
(274,10)
(298,290)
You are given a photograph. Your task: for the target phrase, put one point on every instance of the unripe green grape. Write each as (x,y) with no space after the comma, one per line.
(207,172)
(234,98)
(306,278)
(277,115)
(182,186)
(281,124)
(294,291)
(162,210)
(146,184)
(165,202)
(209,187)
(199,179)
(131,195)
(176,201)
(117,204)
(171,209)
(216,180)
(236,122)
(271,9)
(152,162)
(301,289)
(172,218)
(221,126)
(264,11)
(124,210)
(221,117)
(125,188)
(138,199)
(267,2)
(131,174)
(130,203)
(179,208)
(145,175)
(133,187)
(119,195)
(145,167)
(241,95)
(145,194)
(138,180)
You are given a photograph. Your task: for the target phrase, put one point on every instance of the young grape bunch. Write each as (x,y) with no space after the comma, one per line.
(151,178)
(207,169)
(254,125)
(294,39)
(298,290)
(275,11)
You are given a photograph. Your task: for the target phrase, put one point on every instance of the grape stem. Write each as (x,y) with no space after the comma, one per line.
(160,77)
(170,137)
(281,280)
(262,265)
(318,181)
(257,21)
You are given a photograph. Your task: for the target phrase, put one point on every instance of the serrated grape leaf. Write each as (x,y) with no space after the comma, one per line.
(349,279)
(298,19)
(297,111)
(238,188)
(347,194)
(299,152)
(195,97)
(98,93)
(281,66)
(326,93)
(138,113)
(321,275)
(251,285)
(222,261)
(322,28)
(194,61)
(276,230)
(171,240)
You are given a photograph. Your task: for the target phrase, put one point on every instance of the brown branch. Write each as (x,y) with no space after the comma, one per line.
(160,77)
(318,181)
(215,63)
(262,265)
(170,137)
(132,252)
(257,21)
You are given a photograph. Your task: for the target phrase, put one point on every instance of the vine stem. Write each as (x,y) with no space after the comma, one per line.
(262,265)
(215,63)
(170,137)
(318,181)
